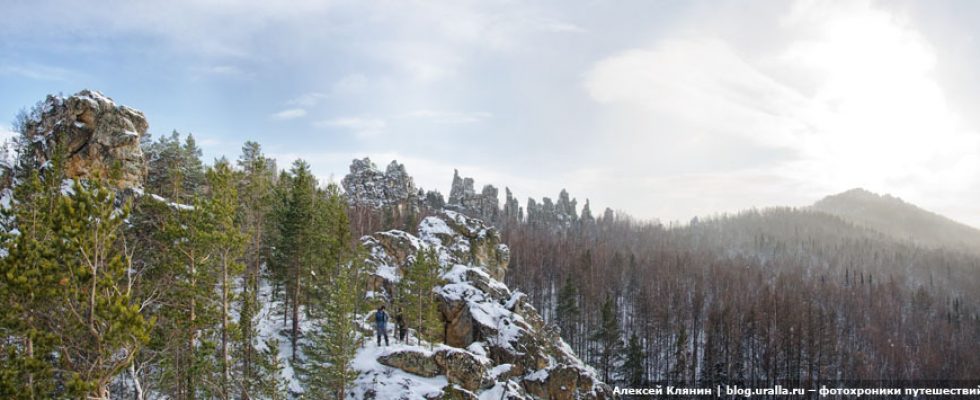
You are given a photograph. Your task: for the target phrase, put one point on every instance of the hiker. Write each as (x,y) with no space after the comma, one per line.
(400,325)
(380,321)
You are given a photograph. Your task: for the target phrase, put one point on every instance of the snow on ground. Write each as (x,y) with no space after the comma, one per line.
(269,324)
(391,383)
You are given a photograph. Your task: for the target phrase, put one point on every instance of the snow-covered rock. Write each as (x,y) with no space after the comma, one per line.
(366,185)
(496,344)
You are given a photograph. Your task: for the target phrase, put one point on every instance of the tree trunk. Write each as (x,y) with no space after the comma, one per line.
(224,326)
(137,386)
(295,329)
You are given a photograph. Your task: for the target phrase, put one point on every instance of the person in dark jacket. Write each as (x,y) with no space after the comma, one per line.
(400,325)
(380,323)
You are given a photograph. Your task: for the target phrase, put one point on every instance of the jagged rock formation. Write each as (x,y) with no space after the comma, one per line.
(367,185)
(561,214)
(98,137)
(496,343)
(512,208)
(463,198)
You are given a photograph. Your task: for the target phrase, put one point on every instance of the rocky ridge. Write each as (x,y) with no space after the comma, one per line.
(496,343)
(368,186)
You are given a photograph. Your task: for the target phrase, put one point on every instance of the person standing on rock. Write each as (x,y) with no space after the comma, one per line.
(400,326)
(381,322)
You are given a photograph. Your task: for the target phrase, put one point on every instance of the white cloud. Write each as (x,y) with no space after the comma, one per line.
(362,126)
(447,117)
(225,71)
(291,113)
(852,98)
(352,83)
(39,72)
(308,99)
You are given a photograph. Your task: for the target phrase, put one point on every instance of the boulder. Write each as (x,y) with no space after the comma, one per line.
(459,322)
(413,362)
(462,368)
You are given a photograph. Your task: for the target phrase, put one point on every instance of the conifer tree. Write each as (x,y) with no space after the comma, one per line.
(633,374)
(256,200)
(608,338)
(101,326)
(297,254)
(333,344)
(228,241)
(30,281)
(567,312)
(174,170)
(268,381)
(193,303)
(418,295)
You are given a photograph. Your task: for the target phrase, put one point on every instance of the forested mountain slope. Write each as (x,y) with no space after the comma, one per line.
(901,220)
(781,295)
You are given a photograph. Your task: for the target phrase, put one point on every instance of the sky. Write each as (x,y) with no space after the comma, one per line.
(661,109)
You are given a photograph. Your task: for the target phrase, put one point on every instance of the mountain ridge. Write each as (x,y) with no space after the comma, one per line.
(899,219)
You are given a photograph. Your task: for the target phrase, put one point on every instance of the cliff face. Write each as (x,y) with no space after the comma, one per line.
(496,344)
(98,137)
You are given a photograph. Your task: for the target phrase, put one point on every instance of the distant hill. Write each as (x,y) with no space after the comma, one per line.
(894,217)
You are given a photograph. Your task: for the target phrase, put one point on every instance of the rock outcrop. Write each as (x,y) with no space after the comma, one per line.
(99,138)
(367,185)
(560,214)
(463,198)
(496,343)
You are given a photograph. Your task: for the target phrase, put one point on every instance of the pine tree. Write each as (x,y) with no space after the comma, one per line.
(100,320)
(228,244)
(608,338)
(268,382)
(679,369)
(298,256)
(30,282)
(174,170)
(566,311)
(633,374)
(256,201)
(67,302)
(417,295)
(334,287)
(193,304)
(333,345)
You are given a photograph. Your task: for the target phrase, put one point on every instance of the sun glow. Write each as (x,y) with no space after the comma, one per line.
(881,117)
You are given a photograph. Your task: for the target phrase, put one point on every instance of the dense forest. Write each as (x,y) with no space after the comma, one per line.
(781,295)
(164,288)
(773,296)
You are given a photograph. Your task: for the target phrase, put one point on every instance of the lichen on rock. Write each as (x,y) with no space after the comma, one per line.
(100,139)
